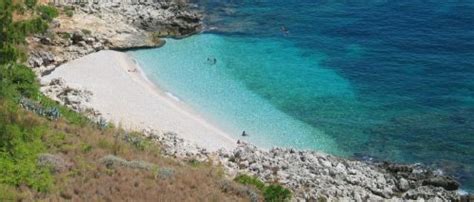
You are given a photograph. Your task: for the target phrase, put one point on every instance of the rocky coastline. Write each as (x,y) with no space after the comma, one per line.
(310,175)
(314,176)
(96,26)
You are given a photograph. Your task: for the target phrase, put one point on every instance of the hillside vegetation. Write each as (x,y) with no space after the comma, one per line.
(48,152)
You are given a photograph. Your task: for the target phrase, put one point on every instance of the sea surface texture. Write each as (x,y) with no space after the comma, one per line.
(384,80)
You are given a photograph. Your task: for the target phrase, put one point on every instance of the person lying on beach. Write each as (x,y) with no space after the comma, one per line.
(133,70)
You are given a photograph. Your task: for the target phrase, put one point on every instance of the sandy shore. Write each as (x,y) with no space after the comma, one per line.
(124,96)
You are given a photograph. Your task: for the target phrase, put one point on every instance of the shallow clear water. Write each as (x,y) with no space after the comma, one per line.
(391,80)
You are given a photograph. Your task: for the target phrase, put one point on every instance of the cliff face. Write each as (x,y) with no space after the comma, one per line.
(98,25)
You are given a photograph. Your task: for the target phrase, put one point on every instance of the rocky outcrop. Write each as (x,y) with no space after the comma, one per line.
(99,25)
(315,176)
(76,98)
(165,19)
(174,146)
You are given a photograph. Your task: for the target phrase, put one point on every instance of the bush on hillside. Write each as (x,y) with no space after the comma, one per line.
(30,3)
(276,193)
(249,180)
(16,81)
(20,143)
(69,11)
(273,193)
(48,12)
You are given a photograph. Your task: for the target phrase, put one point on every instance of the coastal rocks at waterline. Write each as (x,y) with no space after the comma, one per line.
(97,25)
(317,176)
(309,175)
(313,176)
(167,19)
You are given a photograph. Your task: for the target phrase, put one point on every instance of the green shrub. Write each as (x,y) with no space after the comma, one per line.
(250,180)
(66,113)
(273,193)
(10,53)
(276,193)
(48,12)
(194,163)
(30,3)
(20,133)
(64,35)
(86,148)
(69,11)
(32,26)
(136,140)
(104,144)
(18,80)
(20,143)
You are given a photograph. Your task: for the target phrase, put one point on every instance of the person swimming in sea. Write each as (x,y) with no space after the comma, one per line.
(211,60)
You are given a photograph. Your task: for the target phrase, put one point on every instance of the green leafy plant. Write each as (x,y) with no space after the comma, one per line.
(273,192)
(69,11)
(250,180)
(30,3)
(20,143)
(276,193)
(48,12)
(20,132)
(86,148)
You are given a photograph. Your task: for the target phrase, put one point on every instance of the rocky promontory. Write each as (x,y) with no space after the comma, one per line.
(98,25)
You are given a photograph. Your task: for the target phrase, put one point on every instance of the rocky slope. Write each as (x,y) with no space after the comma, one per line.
(315,176)
(310,175)
(99,25)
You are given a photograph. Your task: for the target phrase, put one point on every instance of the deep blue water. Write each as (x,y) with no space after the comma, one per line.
(387,79)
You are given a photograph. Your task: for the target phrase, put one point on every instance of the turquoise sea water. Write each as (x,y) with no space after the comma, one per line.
(388,80)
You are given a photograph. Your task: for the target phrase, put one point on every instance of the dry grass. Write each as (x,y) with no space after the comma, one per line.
(89,180)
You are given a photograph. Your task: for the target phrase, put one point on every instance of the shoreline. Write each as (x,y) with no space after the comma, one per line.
(310,175)
(141,104)
(120,92)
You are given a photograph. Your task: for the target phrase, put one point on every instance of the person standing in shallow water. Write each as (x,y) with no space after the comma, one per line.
(244,134)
